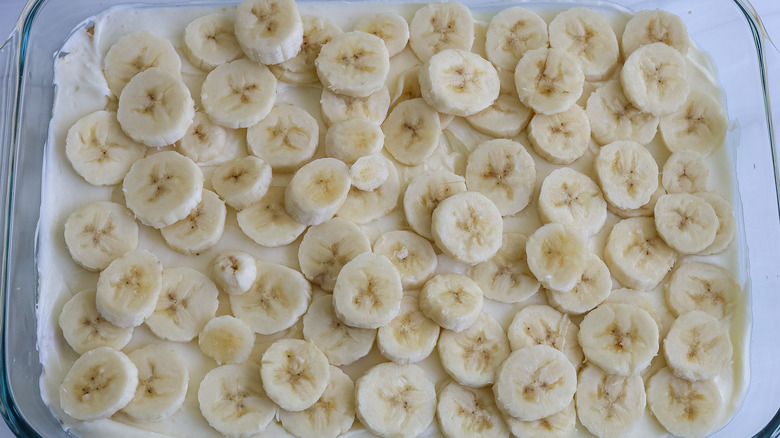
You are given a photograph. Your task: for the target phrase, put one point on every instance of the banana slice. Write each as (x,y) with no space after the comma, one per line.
(609,405)
(267,222)
(354,64)
(412,132)
(654,26)
(100,382)
(560,138)
(286,138)
(613,117)
(505,118)
(535,382)
(697,347)
(368,292)
(155,108)
(511,33)
(628,174)
(199,231)
(368,173)
(407,86)
(458,82)
(453,301)
(242,181)
(472,357)
(127,290)
(543,325)
(504,172)
(440,26)
(685,172)
(84,329)
(592,289)
(558,425)
(362,206)
(548,81)
(277,299)
(98,233)
(390,27)
(233,401)
(687,223)
(163,188)
(656,308)
(295,373)
(410,337)
(699,125)
(238,94)
(395,400)
(464,412)
(327,247)
(587,35)
(702,286)
(571,198)
(204,141)
(210,41)
(411,254)
(467,227)
(233,271)
(727,225)
(269,31)
(338,108)
(162,383)
(187,302)
(557,256)
(636,256)
(99,151)
(620,338)
(135,53)
(331,416)
(423,195)
(352,139)
(317,31)
(226,339)
(317,191)
(341,343)
(506,277)
(688,409)
(644,210)
(654,79)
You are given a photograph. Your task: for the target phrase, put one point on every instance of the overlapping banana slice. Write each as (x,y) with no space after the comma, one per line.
(560,138)
(687,223)
(458,82)
(453,301)
(368,173)
(702,286)
(352,139)
(204,141)
(685,172)
(698,346)
(327,247)
(654,79)
(317,191)
(726,223)
(163,379)
(341,343)
(637,257)
(188,300)
(543,325)
(627,173)
(317,31)
(267,222)
(464,411)
(503,171)
(558,425)
(364,205)
(557,256)
(368,292)
(239,93)
(511,33)
(286,138)
(210,41)
(439,26)
(135,53)
(84,329)
(549,81)
(654,26)
(644,210)
(331,416)
(410,337)
(128,289)
(339,108)
(423,195)
(698,125)
(226,339)
(295,374)
(98,233)
(506,277)
(609,405)
(505,118)
(390,27)
(354,64)
(242,181)
(592,289)
(613,117)
(587,35)
(467,227)
(201,229)
(472,357)
(269,31)
(571,198)
(412,131)
(684,408)
(234,271)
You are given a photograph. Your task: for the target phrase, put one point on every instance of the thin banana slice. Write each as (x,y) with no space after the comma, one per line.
(338,108)
(587,35)
(440,26)
(702,286)
(341,343)
(238,94)
(354,64)
(352,139)
(687,223)
(295,373)
(317,31)
(368,173)
(267,222)
(327,247)
(687,409)
(210,41)
(233,271)
(549,81)
(464,412)
(100,382)
(560,138)
(98,233)
(473,356)
(628,174)
(412,132)
(504,172)
(135,53)
(558,425)
(188,300)
(162,383)
(636,256)
(242,181)
(505,118)
(654,26)
(699,125)
(331,416)
(423,195)
(609,405)
(390,27)
(368,292)
(317,191)
(127,290)
(199,231)
(410,337)
(411,254)
(727,224)
(458,82)
(543,325)
(697,347)
(685,172)
(269,31)
(557,256)
(453,301)
(654,79)
(593,288)
(571,198)
(511,33)
(204,141)
(506,277)
(226,339)
(613,117)
(84,329)
(286,138)
(407,86)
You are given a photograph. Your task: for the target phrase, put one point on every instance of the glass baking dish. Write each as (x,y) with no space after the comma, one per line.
(728,30)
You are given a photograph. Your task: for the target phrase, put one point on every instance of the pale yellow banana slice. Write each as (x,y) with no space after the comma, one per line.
(286,138)
(571,198)
(238,94)
(654,79)
(188,300)
(504,172)
(352,139)
(226,339)
(354,64)
(636,256)
(127,290)
(687,223)
(390,27)
(317,191)
(269,31)
(411,254)
(395,400)
(609,405)
(560,138)
(686,409)
(506,277)
(685,172)
(338,108)
(463,412)
(340,343)
(627,173)
(163,379)
(591,290)
(233,271)
(702,286)
(98,233)
(558,425)
(242,181)
(453,301)
(542,325)
(468,227)
(317,31)
(727,224)
(210,41)
(368,173)
(423,195)
(549,81)
(364,206)
(199,231)
(410,337)
(557,256)
(368,292)
(327,247)
(613,117)
(698,346)
(649,302)
(412,131)
(644,210)
(295,373)
(84,329)
(587,35)
(204,141)
(331,416)
(473,356)
(654,26)
(505,118)
(407,86)
(267,222)
(100,382)
(458,82)
(440,26)
(134,53)
(511,33)
(699,125)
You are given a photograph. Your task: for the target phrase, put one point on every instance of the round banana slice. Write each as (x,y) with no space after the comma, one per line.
(628,174)
(464,412)
(226,339)
(702,286)
(412,132)
(505,118)
(609,405)
(411,254)
(458,82)
(654,79)
(286,138)
(685,172)
(542,325)
(440,26)
(352,139)
(591,290)
(688,409)
(557,256)
(317,31)
(473,356)
(341,343)
(242,181)
(511,33)
(453,301)
(135,53)
(503,171)
(295,373)
(698,346)
(327,247)
(238,94)
(98,233)
(699,125)
(687,223)
(395,400)
(654,26)
(549,81)
(370,172)
(407,86)
(613,117)
(188,300)
(726,223)
(364,206)
(339,108)
(162,383)
(267,222)
(423,195)
(368,292)
(233,271)
(410,337)
(354,64)
(199,231)
(587,35)
(210,41)
(84,329)
(644,210)
(127,290)
(649,302)
(269,31)
(560,138)
(317,191)
(571,198)
(636,256)
(100,382)
(204,141)
(331,416)
(390,27)
(468,227)
(558,425)
(506,277)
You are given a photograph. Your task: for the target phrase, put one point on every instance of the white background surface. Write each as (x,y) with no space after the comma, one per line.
(768,10)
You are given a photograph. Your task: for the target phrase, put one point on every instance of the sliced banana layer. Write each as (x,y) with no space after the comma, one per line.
(549,81)
(295,373)
(188,300)
(609,405)
(655,26)
(368,173)
(204,141)
(593,288)
(238,94)
(354,64)
(127,290)
(506,277)
(464,412)
(412,132)
(327,247)
(317,31)
(504,172)
(613,117)
(543,325)
(210,41)
(339,108)
(135,53)
(511,33)
(684,408)
(654,79)
(368,292)
(84,329)
(267,222)
(162,383)
(702,286)
(557,256)
(473,356)
(390,27)
(286,138)
(440,26)
(226,339)
(411,254)
(364,206)
(558,425)
(341,343)
(352,139)
(410,337)
(317,191)
(505,118)
(687,223)
(571,198)
(242,181)
(560,138)
(586,34)
(637,257)
(685,172)
(628,174)
(726,223)
(98,233)
(331,416)
(423,195)
(458,82)
(698,346)
(233,271)
(453,301)
(467,227)
(201,229)
(699,125)
(269,31)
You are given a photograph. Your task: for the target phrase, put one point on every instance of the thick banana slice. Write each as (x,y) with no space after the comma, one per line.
(620,338)
(286,138)
(238,94)
(233,401)
(592,289)
(423,195)
(364,206)
(187,302)
(557,256)
(727,224)
(411,254)
(473,356)
(506,277)
(295,373)
(162,383)
(84,329)
(100,382)
(636,256)
(458,82)
(267,222)
(390,27)
(354,64)
(269,31)
(468,227)
(549,80)
(463,412)
(587,35)
(440,26)
(654,26)
(352,139)
(654,79)
(341,343)
(368,173)
(127,290)
(327,247)
(410,337)
(317,191)
(99,151)
(338,108)
(226,339)
(503,171)
(698,346)
(688,409)
(571,198)
(511,33)
(645,210)
(685,172)
(233,271)
(204,141)
(698,125)
(558,425)
(656,308)
(412,132)
(199,231)
(210,41)
(560,138)
(98,233)
(368,292)
(702,286)
(535,382)
(609,405)
(687,223)
(453,301)
(242,181)
(407,86)
(505,118)
(163,188)
(628,174)
(277,299)
(395,400)
(135,53)
(155,108)
(331,416)
(543,325)
(317,31)
(613,117)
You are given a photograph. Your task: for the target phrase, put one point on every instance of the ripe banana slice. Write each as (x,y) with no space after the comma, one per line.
(423,195)
(609,405)
(687,223)
(98,233)
(656,308)
(370,172)
(238,94)
(636,256)
(135,53)
(505,118)
(199,231)
(331,416)
(558,425)
(362,206)
(269,31)
(84,329)
(726,223)
(549,80)
(354,64)
(699,125)
(587,35)
(317,191)
(654,26)
(458,82)
(560,138)
(412,132)
(504,172)
(233,271)
(341,343)
(187,302)
(407,86)
(571,198)
(204,141)
(163,188)
(557,256)
(390,27)
(100,382)
(338,108)
(543,325)
(368,292)
(395,400)
(473,356)
(327,247)
(613,117)
(267,222)
(410,337)
(468,227)
(440,26)
(242,181)
(155,108)
(127,290)
(226,339)
(654,79)
(685,172)
(628,174)
(453,301)
(99,151)
(698,346)
(352,139)
(645,210)
(592,289)
(511,33)
(506,277)
(535,382)
(317,31)
(688,409)
(162,383)
(210,41)
(620,338)
(464,412)
(286,138)
(277,299)
(702,286)
(295,373)
(411,254)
